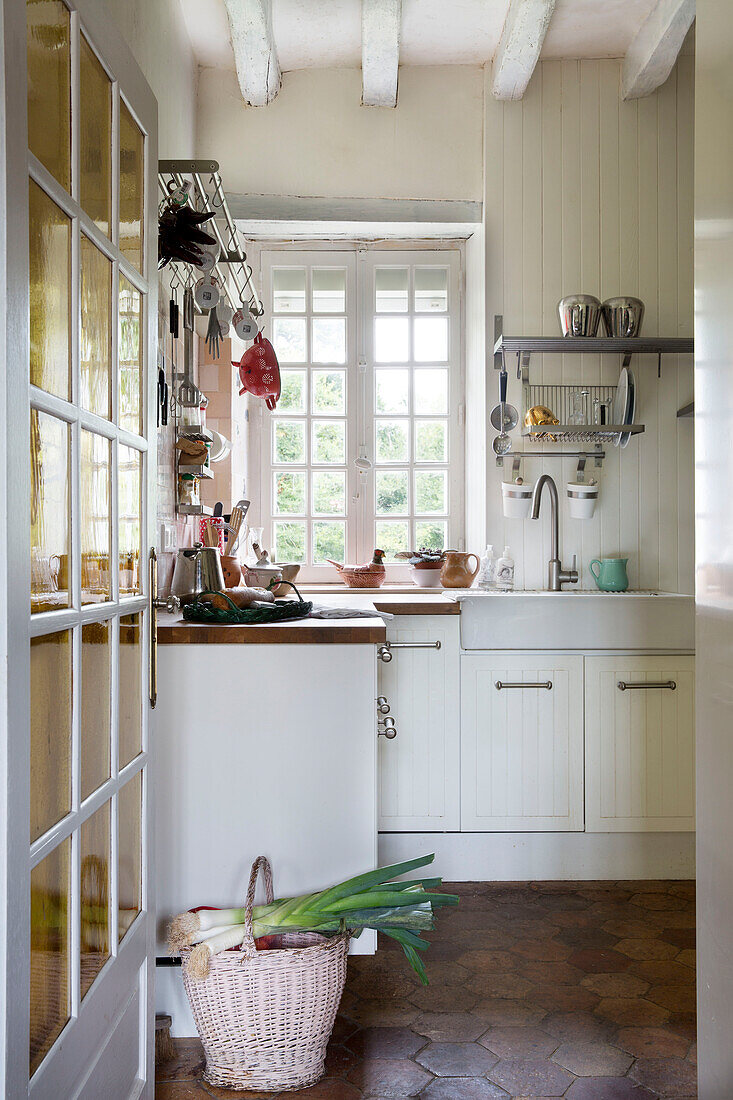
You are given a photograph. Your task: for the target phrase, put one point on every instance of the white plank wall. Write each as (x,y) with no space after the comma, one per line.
(588,193)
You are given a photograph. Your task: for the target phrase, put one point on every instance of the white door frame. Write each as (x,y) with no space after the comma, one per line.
(85,1039)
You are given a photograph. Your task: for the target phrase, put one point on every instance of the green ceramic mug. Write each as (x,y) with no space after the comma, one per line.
(611,575)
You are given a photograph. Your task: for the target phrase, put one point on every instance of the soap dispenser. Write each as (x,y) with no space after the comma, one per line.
(505,571)
(487,570)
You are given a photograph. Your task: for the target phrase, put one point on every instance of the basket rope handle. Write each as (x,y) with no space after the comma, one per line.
(262,863)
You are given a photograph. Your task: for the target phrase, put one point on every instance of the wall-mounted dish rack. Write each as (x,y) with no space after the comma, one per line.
(558,399)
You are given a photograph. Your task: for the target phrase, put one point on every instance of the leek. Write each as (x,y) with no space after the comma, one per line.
(401,910)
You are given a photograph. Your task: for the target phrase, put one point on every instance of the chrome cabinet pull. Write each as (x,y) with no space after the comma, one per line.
(382,704)
(545,684)
(646,685)
(389,729)
(384,652)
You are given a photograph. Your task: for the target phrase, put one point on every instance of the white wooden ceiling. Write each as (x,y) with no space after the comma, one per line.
(327,33)
(263,38)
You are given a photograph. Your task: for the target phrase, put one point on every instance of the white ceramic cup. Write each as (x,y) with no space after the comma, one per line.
(516,499)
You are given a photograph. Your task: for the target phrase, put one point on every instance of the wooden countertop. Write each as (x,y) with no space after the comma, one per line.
(300,632)
(417,604)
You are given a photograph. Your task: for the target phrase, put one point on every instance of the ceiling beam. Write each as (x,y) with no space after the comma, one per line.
(381,26)
(651,56)
(258,69)
(519,48)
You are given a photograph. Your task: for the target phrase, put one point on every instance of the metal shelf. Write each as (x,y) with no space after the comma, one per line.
(190,431)
(197,471)
(581,433)
(194,510)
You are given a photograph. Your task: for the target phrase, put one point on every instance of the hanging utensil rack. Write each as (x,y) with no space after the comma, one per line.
(208,194)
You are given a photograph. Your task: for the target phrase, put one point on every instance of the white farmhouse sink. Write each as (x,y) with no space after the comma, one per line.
(574,619)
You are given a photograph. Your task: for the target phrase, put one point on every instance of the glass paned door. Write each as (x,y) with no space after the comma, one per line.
(82,175)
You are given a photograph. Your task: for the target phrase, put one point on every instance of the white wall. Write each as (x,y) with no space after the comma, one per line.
(315,138)
(714,535)
(586,192)
(155,32)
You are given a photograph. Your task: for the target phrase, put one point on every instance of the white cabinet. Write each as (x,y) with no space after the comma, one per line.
(522,746)
(640,768)
(419,769)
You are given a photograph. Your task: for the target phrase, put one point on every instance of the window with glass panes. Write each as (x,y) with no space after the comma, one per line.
(365,447)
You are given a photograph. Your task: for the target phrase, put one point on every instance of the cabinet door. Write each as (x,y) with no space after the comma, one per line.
(640,744)
(522,747)
(419,771)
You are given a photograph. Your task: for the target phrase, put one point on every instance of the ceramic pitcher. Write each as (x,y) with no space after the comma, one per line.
(611,575)
(455,572)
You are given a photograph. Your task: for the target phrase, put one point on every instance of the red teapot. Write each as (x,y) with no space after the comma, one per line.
(259,371)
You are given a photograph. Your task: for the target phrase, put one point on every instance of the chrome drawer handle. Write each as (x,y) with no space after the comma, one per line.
(389,729)
(646,685)
(382,704)
(384,652)
(501,684)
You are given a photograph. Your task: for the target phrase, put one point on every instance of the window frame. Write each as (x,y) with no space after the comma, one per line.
(363,258)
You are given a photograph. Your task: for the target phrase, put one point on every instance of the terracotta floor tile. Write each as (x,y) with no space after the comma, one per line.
(343,1029)
(462,1088)
(607,1088)
(665,972)
(631,1012)
(444,998)
(330,1088)
(456,1059)
(674,997)
(692,1054)
(585,937)
(560,973)
(519,1042)
(179,1090)
(577,1026)
(375,1013)
(630,929)
(659,901)
(389,1077)
(592,1059)
(488,962)
(683,889)
(385,1042)
(681,937)
(449,1027)
(506,1010)
(615,985)
(563,998)
(339,1060)
(187,1065)
(668,1077)
(500,985)
(522,1076)
(651,1042)
(688,957)
(647,949)
(542,950)
(663,921)
(599,960)
(237,1094)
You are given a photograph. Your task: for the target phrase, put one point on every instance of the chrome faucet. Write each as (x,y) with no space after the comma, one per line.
(556,575)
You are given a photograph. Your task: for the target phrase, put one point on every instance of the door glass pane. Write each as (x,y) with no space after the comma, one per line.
(50,685)
(289,441)
(95,518)
(431,390)
(288,339)
(431,441)
(288,290)
(289,493)
(292,393)
(131,671)
(430,535)
(95,344)
(50,293)
(329,493)
(393,440)
(50,441)
(130,355)
(50,999)
(130,518)
(95,865)
(95,706)
(129,882)
(329,541)
(329,290)
(392,492)
(392,391)
(329,442)
(95,138)
(431,491)
(132,169)
(391,536)
(431,289)
(290,540)
(431,339)
(49,86)
(328,340)
(391,339)
(329,391)
(391,289)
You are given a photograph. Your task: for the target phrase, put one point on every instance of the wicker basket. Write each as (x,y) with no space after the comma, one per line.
(265,1017)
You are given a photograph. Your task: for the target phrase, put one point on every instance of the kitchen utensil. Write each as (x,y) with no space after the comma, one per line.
(582,498)
(239,511)
(244,324)
(261,576)
(516,499)
(579,315)
(626,436)
(455,572)
(259,371)
(621,402)
(218,509)
(197,569)
(189,395)
(508,420)
(578,407)
(206,293)
(502,443)
(611,575)
(623,316)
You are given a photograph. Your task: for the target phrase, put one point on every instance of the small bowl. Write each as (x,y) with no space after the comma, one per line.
(289,573)
(427,574)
